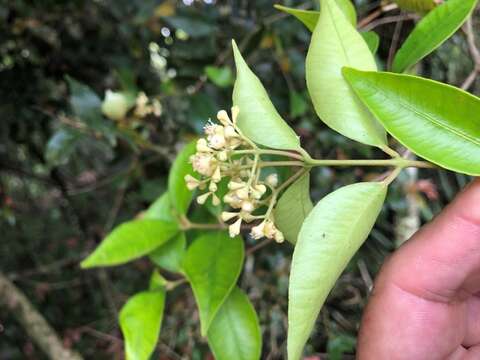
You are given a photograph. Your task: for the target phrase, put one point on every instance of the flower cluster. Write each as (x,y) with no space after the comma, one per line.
(226,153)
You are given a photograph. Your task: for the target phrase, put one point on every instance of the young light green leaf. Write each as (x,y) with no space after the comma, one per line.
(293,207)
(420,6)
(336,43)
(160,209)
(212,264)
(258,118)
(310,17)
(235,331)
(140,320)
(170,255)
(332,233)
(157,281)
(439,122)
(180,196)
(372,39)
(130,241)
(436,27)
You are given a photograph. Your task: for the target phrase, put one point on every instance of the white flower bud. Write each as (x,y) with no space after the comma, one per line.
(269,229)
(222,156)
(203,198)
(230,132)
(212,187)
(191,182)
(242,193)
(257,232)
(272,180)
(202,146)
(222,116)
(235,112)
(217,175)
(217,141)
(215,200)
(279,238)
(226,216)
(247,206)
(233,185)
(234,229)
(115,105)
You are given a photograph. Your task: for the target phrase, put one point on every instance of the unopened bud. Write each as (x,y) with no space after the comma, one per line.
(272,180)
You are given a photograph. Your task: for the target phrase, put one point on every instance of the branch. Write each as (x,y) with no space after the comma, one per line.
(33,322)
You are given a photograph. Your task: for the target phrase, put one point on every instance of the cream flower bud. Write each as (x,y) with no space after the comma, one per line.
(269,229)
(258,191)
(233,185)
(222,156)
(230,132)
(191,182)
(217,175)
(279,238)
(242,193)
(257,232)
(272,180)
(217,141)
(215,200)
(212,187)
(234,229)
(202,146)
(226,216)
(203,198)
(235,112)
(203,163)
(115,105)
(222,116)
(247,206)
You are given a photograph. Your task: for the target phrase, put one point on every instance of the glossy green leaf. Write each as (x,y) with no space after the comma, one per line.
(258,118)
(212,265)
(439,122)
(372,39)
(84,101)
(335,43)
(130,241)
(293,207)
(180,196)
(170,255)
(160,209)
(140,320)
(235,331)
(436,27)
(310,17)
(332,233)
(420,6)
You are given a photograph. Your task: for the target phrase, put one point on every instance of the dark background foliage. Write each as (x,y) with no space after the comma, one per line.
(66,179)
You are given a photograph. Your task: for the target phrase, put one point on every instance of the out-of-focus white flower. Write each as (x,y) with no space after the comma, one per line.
(115,105)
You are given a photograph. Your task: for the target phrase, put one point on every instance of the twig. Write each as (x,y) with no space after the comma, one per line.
(33,322)
(389,20)
(474,52)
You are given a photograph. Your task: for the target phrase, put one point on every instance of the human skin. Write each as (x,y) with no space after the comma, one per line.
(426,300)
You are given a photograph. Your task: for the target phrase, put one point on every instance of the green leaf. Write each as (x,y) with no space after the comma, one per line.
(160,209)
(258,118)
(61,146)
(180,196)
(170,255)
(220,76)
(336,43)
(420,6)
(130,241)
(439,122)
(84,101)
(212,265)
(298,104)
(332,233)
(157,281)
(235,332)
(293,207)
(432,31)
(140,320)
(372,39)
(310,17)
